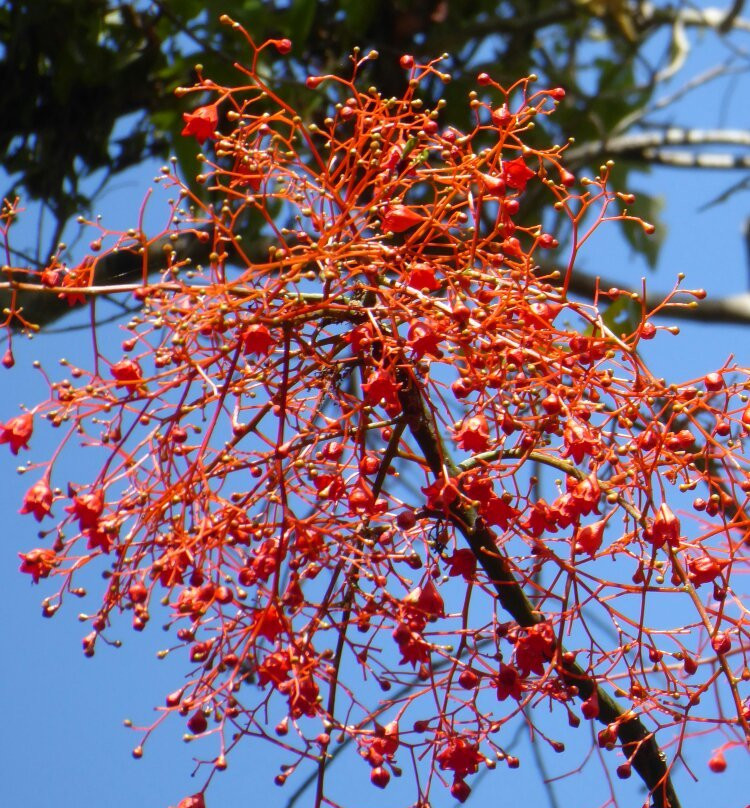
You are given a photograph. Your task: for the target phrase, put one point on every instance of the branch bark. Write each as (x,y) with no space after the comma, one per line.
(41,306)
(731,309)
(655,147)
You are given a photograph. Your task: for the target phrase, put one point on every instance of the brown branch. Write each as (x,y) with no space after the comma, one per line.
(717,18)
(41,306)
(638,743)
(730,309)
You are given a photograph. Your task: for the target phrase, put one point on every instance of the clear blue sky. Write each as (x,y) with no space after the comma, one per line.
(63,743)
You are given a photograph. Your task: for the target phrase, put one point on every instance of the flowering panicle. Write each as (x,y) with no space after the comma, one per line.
(318,455)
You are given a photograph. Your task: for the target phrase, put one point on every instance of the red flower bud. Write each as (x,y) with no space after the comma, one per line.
(717,763)
(398,218)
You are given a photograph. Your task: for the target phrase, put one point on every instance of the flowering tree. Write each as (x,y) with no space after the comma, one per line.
(391,483)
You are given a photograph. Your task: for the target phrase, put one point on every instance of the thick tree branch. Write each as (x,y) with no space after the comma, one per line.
(731,309)
(720,19)
(43,307)
(655,147)
(638,743)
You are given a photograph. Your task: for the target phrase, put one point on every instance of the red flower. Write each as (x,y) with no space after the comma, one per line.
(87,508)
(361,499)
(193,801)
(398,218)
(98,537)
(283,46)
(382,387)
(703,570)
(170,567)
(274,668)
(302,693)
(460,790)
(411,645)
(460,757)
(256,339)
(79,276)
(588,539)
(50,276)
(502,116)
(268,623)
(382,746)
(665,528)
(534,649)
(202,123)
(359,337)
(422,276)
(38,563)
(127,373)
(474,434)
(718,763)
(387,740)
(440,495)
(493,186)
(38,500)
(17,432)
(308,543)
(498,512)
(293,596)
(423,339)
(264,564)
(330,486)
(508,683)
(248,174)
(585,494)
(579,440)
(427,599)
(540,518)
(463,562)
(516,174)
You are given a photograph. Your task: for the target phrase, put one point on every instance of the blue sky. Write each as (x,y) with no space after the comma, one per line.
(64,743)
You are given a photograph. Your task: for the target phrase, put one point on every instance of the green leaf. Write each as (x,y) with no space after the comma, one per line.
(300,18)
(358,16)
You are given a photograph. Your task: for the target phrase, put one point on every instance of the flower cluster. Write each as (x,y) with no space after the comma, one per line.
(323,460)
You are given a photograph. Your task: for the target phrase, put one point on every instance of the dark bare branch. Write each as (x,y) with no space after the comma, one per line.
(638,743)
